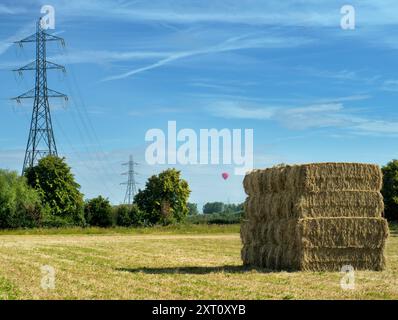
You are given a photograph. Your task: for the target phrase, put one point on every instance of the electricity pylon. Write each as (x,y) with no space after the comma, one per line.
(131,184)
(41,140)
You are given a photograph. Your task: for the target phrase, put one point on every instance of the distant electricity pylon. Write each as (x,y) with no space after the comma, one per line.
(131,183)
(41,140)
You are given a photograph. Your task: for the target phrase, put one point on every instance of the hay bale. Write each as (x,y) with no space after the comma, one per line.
(284,257)
(286,205)
(314,177)
(332,259)
(314,217)
(342,232)
(318,232)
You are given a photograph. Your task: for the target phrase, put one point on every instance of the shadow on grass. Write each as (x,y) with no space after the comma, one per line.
(195,270)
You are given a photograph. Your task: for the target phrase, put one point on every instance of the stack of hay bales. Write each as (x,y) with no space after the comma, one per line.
(316,217)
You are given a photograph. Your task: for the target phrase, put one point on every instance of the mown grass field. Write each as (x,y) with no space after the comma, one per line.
(186,262)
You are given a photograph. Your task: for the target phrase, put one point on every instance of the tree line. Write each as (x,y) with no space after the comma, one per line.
(47,195)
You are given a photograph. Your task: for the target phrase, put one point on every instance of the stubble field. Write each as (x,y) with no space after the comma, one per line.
(197,262)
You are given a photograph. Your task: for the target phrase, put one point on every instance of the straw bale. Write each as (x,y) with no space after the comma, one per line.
(318,232)
(342,232)
(314,177)
(277,257)
(286,205)
(317,217)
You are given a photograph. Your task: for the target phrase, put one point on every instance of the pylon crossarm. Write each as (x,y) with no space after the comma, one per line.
(52,65)
(56,94)
(29,66)
(27,95)
(32,66)
(50,37)
(31,38)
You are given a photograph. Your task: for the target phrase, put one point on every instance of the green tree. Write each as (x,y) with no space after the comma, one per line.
(390,190)
(56,185)
(164,199)
(20,205)
(192,209)
(213,207)
(98,212)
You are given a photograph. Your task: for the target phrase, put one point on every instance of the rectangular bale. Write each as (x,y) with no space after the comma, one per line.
(342,232)
(314,177)
(286,205)
(333,259)
(284,257)
(318,232)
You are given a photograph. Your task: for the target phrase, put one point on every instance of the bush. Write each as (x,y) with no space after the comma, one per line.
(138,217)
(216,218)
(220,207)
(98,212)
(122,214)
(390,190)
(55,183)
(128,216)
(20,205)
(213,207)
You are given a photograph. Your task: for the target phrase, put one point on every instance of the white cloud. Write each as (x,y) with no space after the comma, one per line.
(377,126)
(339,75)
(325,115)
(320,115)
(390,85)
(239,110)
(10,10)
(357,97)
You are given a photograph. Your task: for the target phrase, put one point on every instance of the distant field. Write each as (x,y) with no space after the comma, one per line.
(186,262)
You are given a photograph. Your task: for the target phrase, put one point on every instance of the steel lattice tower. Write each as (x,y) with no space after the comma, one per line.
(131,184)
(41,140)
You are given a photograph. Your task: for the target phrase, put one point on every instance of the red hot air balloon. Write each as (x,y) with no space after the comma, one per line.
(225,175)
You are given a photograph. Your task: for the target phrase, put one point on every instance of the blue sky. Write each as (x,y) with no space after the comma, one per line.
(311,91)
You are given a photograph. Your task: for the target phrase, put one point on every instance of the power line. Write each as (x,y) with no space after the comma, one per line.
(88,128)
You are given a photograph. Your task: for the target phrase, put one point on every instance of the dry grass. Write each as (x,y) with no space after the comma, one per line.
(168,266)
